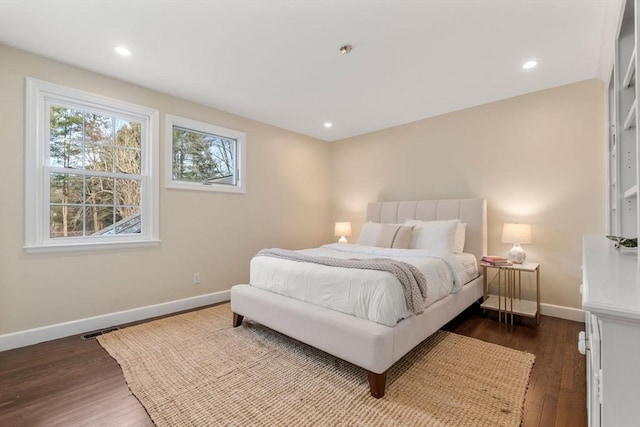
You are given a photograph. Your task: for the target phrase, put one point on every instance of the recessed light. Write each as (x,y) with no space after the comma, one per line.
(328,124)
(529,64)
(121,50)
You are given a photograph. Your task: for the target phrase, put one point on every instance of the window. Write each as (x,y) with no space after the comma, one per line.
(201,156)
(91,170)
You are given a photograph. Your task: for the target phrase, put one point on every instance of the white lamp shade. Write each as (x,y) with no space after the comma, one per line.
(342,229)
(516,233)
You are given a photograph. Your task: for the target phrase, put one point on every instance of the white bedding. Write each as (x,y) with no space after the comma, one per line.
(371,295)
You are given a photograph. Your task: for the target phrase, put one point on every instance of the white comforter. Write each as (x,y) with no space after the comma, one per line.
(368,294)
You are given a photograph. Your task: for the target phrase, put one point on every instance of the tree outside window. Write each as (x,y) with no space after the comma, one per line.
(204,156)
(92,201)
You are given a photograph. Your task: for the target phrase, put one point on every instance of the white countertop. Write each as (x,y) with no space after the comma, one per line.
(611,279)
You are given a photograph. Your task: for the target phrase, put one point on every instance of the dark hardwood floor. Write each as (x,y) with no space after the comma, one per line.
(557,392)
(71,382)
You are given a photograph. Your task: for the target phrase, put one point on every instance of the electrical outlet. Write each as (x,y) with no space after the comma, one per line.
(196,278)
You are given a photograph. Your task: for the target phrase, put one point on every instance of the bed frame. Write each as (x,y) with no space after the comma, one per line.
(367,344)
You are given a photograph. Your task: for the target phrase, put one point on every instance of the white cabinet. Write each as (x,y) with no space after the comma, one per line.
(611,301)
(622,119)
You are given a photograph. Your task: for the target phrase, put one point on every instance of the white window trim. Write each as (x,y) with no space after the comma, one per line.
(38,94)
(241,150)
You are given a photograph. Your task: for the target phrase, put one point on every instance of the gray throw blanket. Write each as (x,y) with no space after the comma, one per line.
(412,280)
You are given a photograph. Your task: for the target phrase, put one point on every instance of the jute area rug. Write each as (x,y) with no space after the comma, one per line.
(194,369)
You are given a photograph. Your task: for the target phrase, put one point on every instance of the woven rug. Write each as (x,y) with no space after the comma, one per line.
(194,369)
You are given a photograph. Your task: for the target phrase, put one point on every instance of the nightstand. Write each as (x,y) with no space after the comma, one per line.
(509,299)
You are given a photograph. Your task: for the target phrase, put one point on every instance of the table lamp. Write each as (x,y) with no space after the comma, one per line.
(518,234)
(342,229)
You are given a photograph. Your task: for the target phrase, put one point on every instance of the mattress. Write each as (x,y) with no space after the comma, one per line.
(368,294)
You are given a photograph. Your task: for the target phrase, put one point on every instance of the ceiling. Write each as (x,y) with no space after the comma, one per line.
(278,61)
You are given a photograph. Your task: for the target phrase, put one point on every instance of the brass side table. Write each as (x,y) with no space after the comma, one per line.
(509,299)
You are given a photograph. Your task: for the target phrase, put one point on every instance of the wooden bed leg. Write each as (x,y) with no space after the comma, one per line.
(237,320)
(377,383)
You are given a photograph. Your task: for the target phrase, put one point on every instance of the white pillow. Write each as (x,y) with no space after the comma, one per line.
(433,235)
(458,242)
(369,234)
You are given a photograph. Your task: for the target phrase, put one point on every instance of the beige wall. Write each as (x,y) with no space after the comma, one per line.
(287,204)
(537,158)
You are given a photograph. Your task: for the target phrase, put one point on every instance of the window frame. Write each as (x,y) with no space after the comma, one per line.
(40,95)
(188,124)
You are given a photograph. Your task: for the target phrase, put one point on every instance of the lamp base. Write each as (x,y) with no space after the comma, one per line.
(516,255)
(343,240)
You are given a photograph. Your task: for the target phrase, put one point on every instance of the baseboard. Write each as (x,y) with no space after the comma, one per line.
(562,312)
(61,330)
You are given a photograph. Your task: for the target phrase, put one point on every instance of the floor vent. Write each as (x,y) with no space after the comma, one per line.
(90,335)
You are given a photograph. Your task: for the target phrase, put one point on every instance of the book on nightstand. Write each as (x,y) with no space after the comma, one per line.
(498,261)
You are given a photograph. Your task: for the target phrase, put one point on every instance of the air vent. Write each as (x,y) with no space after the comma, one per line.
(94,334)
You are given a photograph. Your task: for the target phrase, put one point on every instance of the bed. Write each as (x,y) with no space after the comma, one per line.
(371,345)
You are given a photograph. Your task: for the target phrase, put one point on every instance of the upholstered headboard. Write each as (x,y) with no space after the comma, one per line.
(473,212)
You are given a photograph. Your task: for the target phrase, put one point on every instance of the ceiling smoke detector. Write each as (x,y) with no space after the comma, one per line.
(346,49)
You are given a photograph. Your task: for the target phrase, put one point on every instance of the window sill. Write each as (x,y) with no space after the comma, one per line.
(93,246)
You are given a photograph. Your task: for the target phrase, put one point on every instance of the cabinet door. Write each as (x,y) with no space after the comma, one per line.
(614,208)
(594,372)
